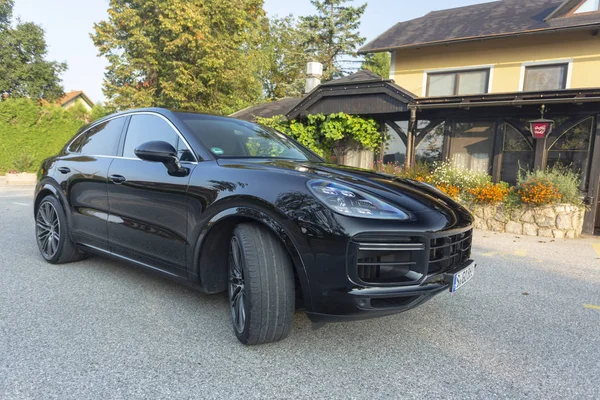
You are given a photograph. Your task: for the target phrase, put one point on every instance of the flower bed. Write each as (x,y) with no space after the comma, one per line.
(543,203)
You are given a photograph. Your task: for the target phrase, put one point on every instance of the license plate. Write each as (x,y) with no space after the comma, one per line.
(462,277)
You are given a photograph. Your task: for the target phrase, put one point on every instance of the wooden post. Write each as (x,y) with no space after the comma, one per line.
(498,145)
(383,130)
(541,155)
(410,138)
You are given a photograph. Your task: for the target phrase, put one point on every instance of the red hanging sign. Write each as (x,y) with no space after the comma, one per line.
(540,129)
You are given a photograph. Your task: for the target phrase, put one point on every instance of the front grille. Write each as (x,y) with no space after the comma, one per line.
(446,252)
(398,260)
(387,259)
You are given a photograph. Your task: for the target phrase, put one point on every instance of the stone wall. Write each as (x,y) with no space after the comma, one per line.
(552,221)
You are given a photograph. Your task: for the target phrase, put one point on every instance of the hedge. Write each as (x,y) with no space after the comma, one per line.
(30,132)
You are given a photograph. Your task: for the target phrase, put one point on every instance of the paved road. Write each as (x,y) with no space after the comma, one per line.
(100,329)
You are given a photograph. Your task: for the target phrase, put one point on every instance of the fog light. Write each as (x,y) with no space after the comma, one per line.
(364,303)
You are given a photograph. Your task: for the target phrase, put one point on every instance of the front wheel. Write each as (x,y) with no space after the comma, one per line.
(261,285)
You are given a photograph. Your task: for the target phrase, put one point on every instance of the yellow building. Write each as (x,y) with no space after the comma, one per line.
(481,74)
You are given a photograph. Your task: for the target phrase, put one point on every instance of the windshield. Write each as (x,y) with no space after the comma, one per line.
(231,138)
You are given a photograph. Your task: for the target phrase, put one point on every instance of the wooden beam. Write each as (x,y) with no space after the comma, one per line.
(498,145)
(424,132)
(411,134)
(398,130)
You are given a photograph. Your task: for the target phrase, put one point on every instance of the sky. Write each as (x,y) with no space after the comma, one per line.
(68,24)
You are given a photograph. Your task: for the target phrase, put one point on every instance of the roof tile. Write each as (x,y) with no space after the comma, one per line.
(477,21)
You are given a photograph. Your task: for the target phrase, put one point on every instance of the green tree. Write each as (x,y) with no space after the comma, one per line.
(188,54)
(284,59)
(24,70)
(98,111)
(378,63)
(331,35)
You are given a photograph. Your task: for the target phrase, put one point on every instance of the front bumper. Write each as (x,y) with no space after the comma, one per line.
(373,302)
(389,274)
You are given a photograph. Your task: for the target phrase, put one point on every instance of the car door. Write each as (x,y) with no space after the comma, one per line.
(82,175)
(148,207)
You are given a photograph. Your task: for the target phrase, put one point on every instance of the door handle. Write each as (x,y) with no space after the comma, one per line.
(117,179)
(64,170)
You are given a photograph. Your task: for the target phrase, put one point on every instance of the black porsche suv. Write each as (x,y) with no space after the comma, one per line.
(227,205)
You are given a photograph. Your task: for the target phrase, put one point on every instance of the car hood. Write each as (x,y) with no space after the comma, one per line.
(412,196)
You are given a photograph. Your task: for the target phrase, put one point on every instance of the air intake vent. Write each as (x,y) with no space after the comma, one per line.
(446,252)
(390,260)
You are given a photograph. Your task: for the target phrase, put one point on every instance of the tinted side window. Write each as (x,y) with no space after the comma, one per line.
(103,139)
(147,128)
(76,144)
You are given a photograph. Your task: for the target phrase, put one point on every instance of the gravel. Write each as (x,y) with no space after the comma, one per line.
(101,329)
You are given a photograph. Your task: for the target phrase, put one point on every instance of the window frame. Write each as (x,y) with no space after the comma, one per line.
(453,136)
(124,134)
(574,13)
(489,69)
(89,128)
(550,63)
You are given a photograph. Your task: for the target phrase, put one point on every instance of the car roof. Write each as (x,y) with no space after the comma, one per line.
(162,111)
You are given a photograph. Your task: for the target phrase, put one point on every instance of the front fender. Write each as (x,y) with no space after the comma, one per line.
(225,220)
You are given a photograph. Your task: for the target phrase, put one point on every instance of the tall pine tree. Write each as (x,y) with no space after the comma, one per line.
(331,35)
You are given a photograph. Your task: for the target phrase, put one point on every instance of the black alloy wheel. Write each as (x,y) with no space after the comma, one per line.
(261,285)
(47,230)
(236,286)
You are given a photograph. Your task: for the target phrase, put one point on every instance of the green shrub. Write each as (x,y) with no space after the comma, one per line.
(24,161)
(566,182)
(30,132)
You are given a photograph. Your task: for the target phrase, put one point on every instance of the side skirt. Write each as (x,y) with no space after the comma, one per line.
(148,267)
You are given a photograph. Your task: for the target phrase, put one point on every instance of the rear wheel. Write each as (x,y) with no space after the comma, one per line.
(261,285)
(52,233)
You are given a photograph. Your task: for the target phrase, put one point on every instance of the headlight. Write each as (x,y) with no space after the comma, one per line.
(354,203)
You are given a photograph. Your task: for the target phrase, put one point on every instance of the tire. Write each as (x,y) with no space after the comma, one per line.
(261,289)
(52,233)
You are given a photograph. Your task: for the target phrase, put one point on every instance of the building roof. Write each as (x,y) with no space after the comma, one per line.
(363,92)
(483,21)
(363,75)
(516,99)
(72,95)
(267,110)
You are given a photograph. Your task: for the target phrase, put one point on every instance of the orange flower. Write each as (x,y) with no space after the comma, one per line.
(489,193)
(450,190)
(538,192)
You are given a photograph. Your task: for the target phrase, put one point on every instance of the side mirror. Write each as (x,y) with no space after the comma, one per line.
(163,152)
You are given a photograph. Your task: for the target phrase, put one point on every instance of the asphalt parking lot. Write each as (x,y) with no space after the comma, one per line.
(526,326)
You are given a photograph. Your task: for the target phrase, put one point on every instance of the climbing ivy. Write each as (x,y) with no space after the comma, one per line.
(333,134)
